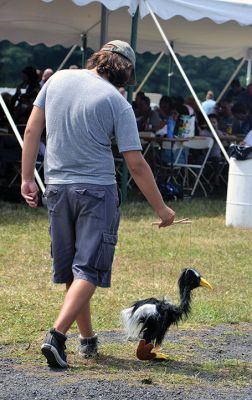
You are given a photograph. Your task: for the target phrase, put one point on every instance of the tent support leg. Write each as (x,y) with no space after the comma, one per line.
(19,138)
(104,26)
(133,41)
(170,73)
(186,80)
(83,49)
(248,77)
(230,80)
(149,72)
(67,57)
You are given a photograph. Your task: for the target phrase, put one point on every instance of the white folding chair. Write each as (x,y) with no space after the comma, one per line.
(193,173)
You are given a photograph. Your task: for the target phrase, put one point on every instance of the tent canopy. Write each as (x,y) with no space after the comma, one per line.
(197,27)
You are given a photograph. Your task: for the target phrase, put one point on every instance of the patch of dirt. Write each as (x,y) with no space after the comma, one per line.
(217,359)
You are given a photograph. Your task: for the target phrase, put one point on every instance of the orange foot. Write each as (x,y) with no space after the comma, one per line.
(144,352)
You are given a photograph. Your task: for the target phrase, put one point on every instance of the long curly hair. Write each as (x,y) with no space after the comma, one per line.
(117,68)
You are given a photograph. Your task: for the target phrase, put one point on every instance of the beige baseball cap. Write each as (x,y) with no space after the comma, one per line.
(123,48)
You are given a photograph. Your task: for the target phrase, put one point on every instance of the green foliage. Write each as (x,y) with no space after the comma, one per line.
(13,58)
(203,73)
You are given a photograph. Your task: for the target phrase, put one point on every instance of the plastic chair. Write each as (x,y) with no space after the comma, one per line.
(194,172)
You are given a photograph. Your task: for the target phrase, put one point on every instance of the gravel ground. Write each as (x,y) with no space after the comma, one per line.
(22,380)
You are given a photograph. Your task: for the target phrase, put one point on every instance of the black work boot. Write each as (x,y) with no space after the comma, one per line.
(53,349)
(88,346)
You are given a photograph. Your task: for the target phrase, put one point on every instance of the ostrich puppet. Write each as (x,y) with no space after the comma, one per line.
(149,319)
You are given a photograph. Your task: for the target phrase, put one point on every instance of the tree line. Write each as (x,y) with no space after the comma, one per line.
(204,73)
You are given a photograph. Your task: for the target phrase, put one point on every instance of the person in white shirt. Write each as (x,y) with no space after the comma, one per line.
(209,104)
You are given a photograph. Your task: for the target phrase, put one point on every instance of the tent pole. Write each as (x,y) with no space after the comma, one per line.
(67,57)
(83,49)
(230,80)
(133,41)
(149,72)
(248,77)
(104,26)
(187,81)
(19,138)
(170,72)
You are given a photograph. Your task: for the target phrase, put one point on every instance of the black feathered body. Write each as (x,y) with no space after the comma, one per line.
(151,318)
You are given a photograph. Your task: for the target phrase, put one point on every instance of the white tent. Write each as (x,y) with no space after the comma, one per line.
(198,27)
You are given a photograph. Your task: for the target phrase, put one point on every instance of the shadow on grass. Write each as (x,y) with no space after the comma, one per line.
(231,373)
(170,371)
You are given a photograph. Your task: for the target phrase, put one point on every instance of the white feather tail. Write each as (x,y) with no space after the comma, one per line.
(132,323)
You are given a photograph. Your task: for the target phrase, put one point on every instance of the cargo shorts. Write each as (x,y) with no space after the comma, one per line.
(83,225)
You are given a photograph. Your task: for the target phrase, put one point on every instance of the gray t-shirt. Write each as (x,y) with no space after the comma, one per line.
(83,113)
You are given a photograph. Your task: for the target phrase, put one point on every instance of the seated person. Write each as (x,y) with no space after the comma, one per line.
(242,122)
(136,103)
(186,125)
(234,92)
(47,73)
(165,107)
(168,155)
(215,152)
(225,116)
(245,97)
(209,104)
(147,119)
(22,103)
(190,102)
(123,92)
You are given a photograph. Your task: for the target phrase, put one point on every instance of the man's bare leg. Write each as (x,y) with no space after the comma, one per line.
(83,320)
(76,307)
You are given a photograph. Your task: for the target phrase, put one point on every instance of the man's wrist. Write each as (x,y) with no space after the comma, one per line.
(27,180)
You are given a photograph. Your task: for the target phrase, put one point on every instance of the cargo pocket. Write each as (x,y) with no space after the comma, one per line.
(91,202)
(106,252)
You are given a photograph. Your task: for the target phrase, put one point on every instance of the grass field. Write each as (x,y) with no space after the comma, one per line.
(147,263)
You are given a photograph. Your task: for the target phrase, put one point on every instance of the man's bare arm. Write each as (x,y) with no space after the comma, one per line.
(143,176)
(33,132)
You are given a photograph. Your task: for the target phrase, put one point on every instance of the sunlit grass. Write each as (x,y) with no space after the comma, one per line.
(148,262)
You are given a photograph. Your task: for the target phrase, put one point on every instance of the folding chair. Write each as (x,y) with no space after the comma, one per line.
(217,171)
(192,174)
(166,155)
(39,165)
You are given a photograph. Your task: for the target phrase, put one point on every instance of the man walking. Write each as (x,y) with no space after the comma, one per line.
(82,110)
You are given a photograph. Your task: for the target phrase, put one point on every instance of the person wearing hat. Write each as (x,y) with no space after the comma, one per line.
(82,111)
